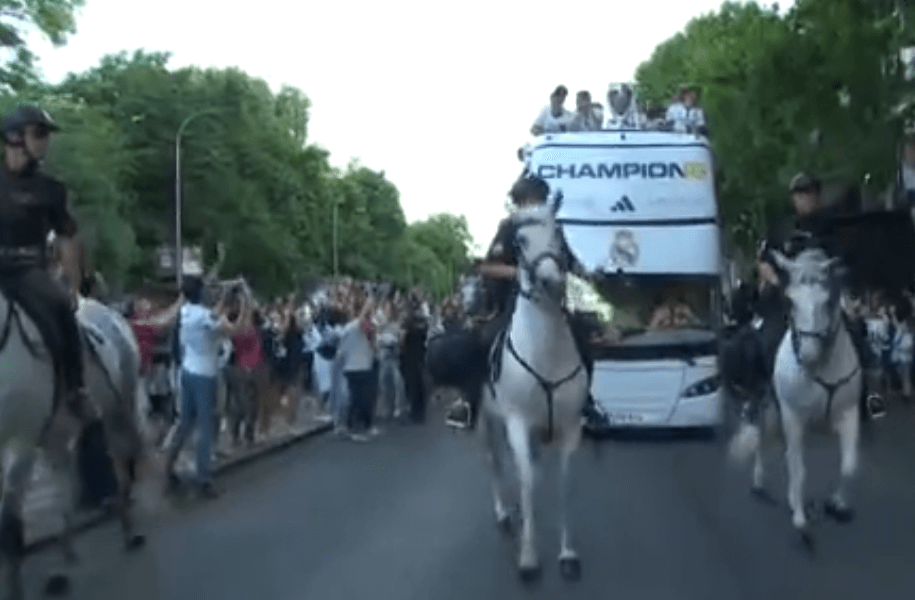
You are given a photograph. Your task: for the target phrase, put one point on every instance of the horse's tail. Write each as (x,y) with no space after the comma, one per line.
(745,443)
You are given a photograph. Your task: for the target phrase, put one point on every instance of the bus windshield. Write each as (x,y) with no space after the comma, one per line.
(647,310)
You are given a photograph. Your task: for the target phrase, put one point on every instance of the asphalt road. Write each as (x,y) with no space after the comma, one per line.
(408,516)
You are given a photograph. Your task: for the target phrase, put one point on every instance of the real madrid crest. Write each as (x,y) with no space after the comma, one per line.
(624,252)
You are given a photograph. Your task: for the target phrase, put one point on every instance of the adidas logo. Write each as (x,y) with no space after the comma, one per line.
(624,205)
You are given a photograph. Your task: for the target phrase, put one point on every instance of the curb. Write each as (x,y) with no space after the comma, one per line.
(93,519)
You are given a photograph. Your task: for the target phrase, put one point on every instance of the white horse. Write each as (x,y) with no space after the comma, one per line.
(541,387)
(817,377)
(28,387)
(111,360)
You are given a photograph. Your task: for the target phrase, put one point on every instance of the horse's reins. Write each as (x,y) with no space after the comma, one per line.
(12,314)
(549,387)
(827,338)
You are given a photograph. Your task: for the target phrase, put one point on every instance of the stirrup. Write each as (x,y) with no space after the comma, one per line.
(872,399)
(457,423)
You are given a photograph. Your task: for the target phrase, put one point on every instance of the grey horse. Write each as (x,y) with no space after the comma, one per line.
(113,379)
(29,426)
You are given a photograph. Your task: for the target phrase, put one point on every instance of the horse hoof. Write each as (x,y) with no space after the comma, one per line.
(505,524)
(529,574)
(763,496)
(570,568)
(840,514)
(806,542)
(815,510)
(57,585)
(135,543)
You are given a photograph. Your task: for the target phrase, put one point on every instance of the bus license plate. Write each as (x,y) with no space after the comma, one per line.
(625,418)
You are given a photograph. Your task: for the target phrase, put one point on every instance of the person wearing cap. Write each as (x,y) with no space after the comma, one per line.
(685,115)
(499,269)
(809,227)
(32,204)
(554,118)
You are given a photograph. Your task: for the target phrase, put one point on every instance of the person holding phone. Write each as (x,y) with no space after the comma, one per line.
(201,332)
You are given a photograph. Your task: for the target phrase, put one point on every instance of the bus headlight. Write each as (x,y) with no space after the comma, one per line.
(703,387)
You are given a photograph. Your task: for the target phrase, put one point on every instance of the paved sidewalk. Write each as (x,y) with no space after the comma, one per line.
(43,519)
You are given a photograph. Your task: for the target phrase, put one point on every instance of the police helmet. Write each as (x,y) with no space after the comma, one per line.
(529,185)
(804,182)
(18,119)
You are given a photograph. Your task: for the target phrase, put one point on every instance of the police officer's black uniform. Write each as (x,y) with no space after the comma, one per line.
(502,294)
(790,237)
(31,205)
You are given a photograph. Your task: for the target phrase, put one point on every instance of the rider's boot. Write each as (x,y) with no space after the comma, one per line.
(76,395)
(594,416)
(463,413)
(459,415)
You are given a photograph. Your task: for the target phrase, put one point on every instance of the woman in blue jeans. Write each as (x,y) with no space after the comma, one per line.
(201,332)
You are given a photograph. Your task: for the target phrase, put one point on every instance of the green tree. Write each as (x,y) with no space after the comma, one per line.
(448,237)
(251,180)
(55,19)
(813,88)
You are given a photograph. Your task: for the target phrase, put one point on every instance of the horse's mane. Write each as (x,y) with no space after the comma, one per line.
(812,256)
(537,211)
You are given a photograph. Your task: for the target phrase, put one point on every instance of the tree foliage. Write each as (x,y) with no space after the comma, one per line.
(55,19)
(251,180)
(814,87)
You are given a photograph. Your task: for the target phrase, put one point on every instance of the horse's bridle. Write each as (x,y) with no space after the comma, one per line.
(827,339)
(529,267)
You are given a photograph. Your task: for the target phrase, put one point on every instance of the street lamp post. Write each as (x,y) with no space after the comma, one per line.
(334,233)
(179,250)
(359,210)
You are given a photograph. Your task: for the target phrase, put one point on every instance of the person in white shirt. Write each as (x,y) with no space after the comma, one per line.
(584,118)
(357,354)
(685,115)
(554,118)
(201,332)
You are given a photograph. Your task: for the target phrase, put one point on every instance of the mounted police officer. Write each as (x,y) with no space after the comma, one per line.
(499,271)
(810,226)
(32,204)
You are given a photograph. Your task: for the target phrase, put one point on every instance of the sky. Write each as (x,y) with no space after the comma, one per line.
(439,98)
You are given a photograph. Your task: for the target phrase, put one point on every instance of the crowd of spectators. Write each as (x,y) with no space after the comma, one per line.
(888,326)
(234,372)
